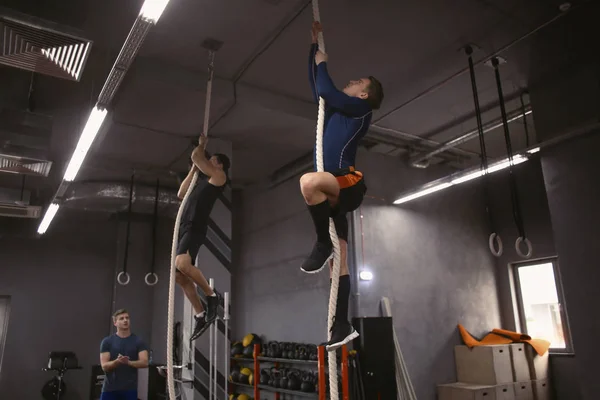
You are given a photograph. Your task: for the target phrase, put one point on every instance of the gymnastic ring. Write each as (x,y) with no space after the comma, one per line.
(518,242)
(119,278)
(494,237)
(149,274)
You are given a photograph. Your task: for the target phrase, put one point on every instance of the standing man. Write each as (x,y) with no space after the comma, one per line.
(340,189)
(121,354)
(192,231)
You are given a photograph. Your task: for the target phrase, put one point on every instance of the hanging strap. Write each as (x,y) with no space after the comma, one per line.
(514,191)
(524,121)
(494,239)
(151,278)
(124,281)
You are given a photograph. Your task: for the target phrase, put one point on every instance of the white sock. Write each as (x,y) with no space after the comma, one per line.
(200,315)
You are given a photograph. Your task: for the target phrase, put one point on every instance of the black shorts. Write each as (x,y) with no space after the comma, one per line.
(190,242)
(352,192)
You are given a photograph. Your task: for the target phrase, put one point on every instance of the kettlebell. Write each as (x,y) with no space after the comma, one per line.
(290,351)
(307,384)
(274,349)
(283,382)
(264,377)
(294,381)
(276,379)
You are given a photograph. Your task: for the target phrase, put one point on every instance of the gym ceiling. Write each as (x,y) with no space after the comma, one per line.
(261,99)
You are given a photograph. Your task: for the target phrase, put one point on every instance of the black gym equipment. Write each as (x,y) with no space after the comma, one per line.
(376,359)
(60,362)
(237,349)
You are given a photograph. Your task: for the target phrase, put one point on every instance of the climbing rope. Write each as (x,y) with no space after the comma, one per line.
(335,276)
(170,379)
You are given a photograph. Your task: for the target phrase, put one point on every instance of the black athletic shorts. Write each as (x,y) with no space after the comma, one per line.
(352,192)
(190,241)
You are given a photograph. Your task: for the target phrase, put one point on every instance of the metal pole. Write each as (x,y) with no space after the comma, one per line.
(226,342)
(211,283)
(215,358)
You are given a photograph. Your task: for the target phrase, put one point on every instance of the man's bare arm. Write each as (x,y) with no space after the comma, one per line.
(183,188)
(105,362)
(216,176)
(142,361)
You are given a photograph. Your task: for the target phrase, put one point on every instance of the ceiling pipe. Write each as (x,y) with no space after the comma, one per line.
(113,197)
(418,160)
(444,82)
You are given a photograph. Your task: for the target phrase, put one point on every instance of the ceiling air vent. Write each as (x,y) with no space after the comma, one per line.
(24,165)
(41,46)
(17,211)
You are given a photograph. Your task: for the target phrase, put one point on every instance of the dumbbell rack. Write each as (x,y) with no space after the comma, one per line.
(320,394)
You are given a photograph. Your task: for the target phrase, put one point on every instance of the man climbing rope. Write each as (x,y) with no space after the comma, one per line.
(193,228)
(340,188)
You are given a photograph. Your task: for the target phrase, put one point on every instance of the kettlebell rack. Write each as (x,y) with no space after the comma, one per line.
(321,363)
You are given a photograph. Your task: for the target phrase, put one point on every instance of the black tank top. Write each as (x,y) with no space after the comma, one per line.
(200,204)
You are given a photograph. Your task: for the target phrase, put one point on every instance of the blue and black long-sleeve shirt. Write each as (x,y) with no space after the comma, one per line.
(347,118)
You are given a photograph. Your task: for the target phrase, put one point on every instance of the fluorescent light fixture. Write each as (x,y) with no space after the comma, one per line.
(50,213)
(534,150)
(153,9)
(365,275)
(424,192)
(517,159)
(88,135)
(500,165)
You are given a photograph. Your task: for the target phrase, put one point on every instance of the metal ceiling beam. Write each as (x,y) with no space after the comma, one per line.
(171,74)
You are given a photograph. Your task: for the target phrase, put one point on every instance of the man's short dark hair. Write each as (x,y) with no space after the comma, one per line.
(119,312)
(375,92)
(224,160)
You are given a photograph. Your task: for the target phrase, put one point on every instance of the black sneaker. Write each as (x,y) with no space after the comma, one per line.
(342,332)
(199,327)
(212,307)
(318,259)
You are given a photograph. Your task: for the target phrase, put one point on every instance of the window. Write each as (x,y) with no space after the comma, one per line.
(542,311)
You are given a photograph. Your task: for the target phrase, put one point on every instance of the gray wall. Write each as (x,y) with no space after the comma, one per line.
(574,194)
(536,221)
(429,257)
(571,99)
(62,285)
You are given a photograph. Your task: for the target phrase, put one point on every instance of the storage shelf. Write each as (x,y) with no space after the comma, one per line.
(278,360)
(321,368)
(287,360)
(241,384)
(277,390)
(287,391)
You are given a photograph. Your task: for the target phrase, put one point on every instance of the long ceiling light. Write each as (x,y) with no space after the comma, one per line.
(149,14)
(153,9)
(459,178)
(50,213)
(86,139)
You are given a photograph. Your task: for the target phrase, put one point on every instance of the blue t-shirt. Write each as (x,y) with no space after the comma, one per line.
(347,118)
(123,377)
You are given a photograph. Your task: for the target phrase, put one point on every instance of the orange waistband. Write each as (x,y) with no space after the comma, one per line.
(349,179)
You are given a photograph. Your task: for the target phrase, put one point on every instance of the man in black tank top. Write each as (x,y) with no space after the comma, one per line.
(210,184)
